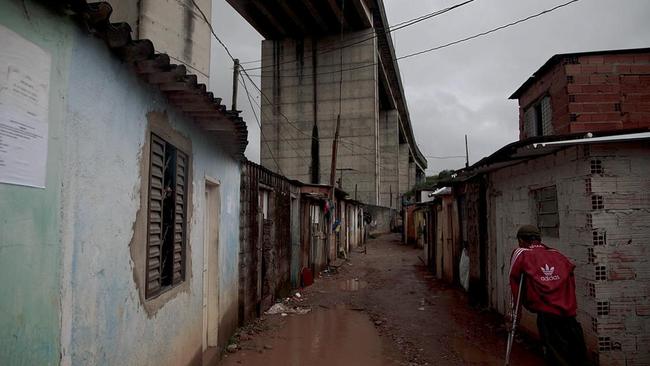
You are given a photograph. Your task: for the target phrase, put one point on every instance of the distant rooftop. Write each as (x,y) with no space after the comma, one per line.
(559,57)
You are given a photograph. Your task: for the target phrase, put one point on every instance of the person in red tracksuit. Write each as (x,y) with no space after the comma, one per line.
(549,290)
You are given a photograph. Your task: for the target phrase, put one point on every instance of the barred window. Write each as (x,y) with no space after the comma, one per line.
(538,118)
(166,219)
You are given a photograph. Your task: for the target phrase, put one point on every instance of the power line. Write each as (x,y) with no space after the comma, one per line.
(394,28)
(280,137)
(462,40)
(250,102)
(445,157)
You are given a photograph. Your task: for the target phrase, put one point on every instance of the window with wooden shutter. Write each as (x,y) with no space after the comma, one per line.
(166,237)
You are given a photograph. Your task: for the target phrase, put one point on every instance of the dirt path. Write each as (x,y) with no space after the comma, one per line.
(380,308)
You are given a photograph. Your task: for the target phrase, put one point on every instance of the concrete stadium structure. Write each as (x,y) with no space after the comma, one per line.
(325,58)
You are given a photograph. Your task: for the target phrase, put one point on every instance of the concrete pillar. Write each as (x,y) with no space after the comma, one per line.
(389,158)
(403,168)
(295,103)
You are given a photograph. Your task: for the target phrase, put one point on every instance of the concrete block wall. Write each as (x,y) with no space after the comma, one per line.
(389,158)
(511,204)
(603,209)
(294,104)
(619,285)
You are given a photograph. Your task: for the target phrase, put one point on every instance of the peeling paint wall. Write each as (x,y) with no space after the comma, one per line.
(30,249)
(105,132)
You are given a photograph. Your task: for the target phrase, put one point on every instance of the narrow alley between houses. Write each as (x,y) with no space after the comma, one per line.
(381,307)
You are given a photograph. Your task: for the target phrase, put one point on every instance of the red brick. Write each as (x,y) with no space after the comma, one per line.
(573,88)
(640,69)
(621,274)
(598,79)
(628,107)
(629,79)
(605,69)
(572,69)
(619,59)
(591,107)
(623,69)
(643,107)
(589,69)
(598,98)
(639,116)
(607,88)
(636,98)
(576,107)
(642,58)
(594,59)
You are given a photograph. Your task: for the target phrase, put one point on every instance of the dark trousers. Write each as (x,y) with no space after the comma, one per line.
(563,341)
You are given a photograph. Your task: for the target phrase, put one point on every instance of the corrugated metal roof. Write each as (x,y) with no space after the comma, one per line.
(180,87)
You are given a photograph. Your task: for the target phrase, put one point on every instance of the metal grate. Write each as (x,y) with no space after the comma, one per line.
(569,79)
(590,221)
(588,185)
(572,98)
(617,107)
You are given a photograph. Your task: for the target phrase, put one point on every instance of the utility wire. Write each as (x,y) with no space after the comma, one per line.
(394,28)
(462,40)
(250,102)
(296,149)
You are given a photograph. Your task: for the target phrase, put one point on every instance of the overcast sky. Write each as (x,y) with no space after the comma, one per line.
(462,89)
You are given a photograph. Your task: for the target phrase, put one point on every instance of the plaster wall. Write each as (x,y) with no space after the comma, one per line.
(106,133)
(30,245)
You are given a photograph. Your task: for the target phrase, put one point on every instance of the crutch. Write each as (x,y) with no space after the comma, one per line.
(511,335)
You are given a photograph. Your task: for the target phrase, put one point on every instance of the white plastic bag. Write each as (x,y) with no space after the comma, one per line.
(463,270)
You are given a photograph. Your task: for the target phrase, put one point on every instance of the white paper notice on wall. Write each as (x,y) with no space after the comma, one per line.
(24,96)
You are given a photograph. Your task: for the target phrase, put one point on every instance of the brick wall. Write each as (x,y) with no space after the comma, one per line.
(594,93)
(604,208)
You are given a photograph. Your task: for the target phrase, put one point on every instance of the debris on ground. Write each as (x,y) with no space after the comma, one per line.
(232,348)
(283,309)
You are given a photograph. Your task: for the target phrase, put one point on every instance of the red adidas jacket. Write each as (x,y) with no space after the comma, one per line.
(549,283)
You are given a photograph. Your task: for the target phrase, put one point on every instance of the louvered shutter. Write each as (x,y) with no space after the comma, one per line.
(155,216)
(179,218)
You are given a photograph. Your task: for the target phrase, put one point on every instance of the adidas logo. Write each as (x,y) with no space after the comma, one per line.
(548,274)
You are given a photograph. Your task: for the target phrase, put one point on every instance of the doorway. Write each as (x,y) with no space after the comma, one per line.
(211,265)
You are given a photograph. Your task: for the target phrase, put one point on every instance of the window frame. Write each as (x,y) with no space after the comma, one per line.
(174,281)
(544,195)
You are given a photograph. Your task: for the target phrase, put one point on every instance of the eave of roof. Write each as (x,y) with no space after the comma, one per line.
(558,58)
(542,145)
(180,87)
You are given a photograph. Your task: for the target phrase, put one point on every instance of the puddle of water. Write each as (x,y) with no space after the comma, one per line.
(472,354)
(352,285)
(320,338)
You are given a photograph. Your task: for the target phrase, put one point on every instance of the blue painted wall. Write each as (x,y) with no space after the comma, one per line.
(105,131)
(30,246)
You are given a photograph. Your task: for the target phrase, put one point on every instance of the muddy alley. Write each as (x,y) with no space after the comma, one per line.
(379,308)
